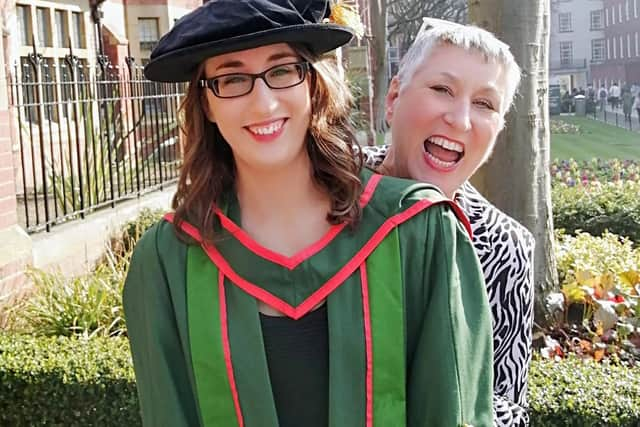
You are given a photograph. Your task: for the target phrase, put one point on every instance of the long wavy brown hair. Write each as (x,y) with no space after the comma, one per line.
(208,169)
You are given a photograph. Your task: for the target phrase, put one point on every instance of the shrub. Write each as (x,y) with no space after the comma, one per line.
(132,230)
(70,382)
(594,208)
(574,392)
(75,382)
(583,252)
(597,312)
(86,305)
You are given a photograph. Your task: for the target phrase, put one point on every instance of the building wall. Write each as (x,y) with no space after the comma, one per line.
(56,48)
(577,71)
(166,15)
(581,34)
(76,244)
(15,245)
(622,35)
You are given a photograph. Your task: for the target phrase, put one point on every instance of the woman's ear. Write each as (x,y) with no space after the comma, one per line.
(390,100)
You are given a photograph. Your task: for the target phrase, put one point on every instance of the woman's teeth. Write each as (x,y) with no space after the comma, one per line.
(267,130)
(445,143)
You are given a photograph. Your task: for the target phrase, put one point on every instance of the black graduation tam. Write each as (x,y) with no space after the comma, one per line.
(223,26)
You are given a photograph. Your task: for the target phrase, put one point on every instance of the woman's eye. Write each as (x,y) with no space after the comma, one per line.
(441,89)
(281,71)
(485,104)
(234,79)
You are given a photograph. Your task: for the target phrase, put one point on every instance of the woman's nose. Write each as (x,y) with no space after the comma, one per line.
(459,116)
(263,98)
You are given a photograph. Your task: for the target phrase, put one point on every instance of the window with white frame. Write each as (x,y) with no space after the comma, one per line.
(629,45)
(626,9)
(621,48)
(62,30)
(637,45)
(619,13)
(606,17)
(23,13)
(635,8)
(566,53)
(614,43)
(597,50)
(613,15)
(608,48)
(596,20)
(148,32)
(78,30)
(44,27)
(564,22)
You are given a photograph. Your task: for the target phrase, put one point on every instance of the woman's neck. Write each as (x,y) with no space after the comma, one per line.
(283,210)
(262,191)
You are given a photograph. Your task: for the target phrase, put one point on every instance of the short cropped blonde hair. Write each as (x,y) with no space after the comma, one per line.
(437,32)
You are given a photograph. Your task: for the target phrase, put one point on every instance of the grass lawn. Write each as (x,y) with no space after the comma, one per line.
(596,139)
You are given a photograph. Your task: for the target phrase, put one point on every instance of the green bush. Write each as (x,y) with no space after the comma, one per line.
(596,255)
(59,381)
(613,206)
(75,382)
(134,229)
(573,392)
(86,305)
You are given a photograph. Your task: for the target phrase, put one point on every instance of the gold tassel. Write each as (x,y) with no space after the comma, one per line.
(343,14)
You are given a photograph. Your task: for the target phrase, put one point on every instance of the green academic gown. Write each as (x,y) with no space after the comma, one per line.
(408,317)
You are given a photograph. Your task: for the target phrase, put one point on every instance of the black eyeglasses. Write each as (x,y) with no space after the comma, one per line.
(233,85)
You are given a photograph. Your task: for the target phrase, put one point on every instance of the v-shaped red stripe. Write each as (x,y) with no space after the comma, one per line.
(306,253)
(319,295)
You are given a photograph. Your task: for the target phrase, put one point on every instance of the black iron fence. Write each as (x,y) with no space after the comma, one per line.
(616,117)
(89,136)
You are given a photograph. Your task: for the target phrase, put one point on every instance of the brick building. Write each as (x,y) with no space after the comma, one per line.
(622,43)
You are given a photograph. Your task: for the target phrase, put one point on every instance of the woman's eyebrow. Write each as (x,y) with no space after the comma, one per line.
(229,64)
(234,63)
(281,55)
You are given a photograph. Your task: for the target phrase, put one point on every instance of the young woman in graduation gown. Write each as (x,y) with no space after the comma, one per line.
(290,287)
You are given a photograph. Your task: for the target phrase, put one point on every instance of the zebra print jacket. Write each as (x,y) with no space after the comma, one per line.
(505,249)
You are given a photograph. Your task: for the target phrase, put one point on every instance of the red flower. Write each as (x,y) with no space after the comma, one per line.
(617,299)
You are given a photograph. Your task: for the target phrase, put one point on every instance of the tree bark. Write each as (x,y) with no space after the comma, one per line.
(516,178)
(378,55)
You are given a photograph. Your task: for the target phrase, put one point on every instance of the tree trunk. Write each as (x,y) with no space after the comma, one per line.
(516,178)
(378,55)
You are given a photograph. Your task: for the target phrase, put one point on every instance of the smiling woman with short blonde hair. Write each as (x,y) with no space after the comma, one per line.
(446,108)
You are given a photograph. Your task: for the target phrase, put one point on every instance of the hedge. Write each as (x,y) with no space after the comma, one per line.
(613,206)
(73,382)
(60,381)
(584,393)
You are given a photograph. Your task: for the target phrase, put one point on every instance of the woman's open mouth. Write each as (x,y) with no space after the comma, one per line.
(442,153)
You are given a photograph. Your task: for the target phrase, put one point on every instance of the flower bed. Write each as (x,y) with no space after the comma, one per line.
(597,312)
(595,171)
